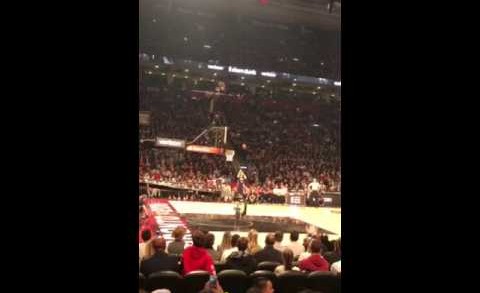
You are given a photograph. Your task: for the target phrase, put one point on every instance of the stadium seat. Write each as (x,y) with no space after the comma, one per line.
(221,266)
(233,281)
(165,280)
(267,266)
(141,281)
(291,282)
(263,274)
(326,282)
(195,281)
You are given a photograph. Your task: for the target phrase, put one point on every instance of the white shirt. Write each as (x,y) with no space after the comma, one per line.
(227,253)
(296,247)
(314,186)
(336,267)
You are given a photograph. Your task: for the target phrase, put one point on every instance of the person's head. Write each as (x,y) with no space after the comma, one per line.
(234,241)
(294,236)
(146,235)
(316,246)
(306,243)
(242,243)
(253,236)
(270,240)
(264,285)
(226,240)
(209,240)
(326,243)
(178,233)
(279,236)
(287,255)
(198,238)
(159,244)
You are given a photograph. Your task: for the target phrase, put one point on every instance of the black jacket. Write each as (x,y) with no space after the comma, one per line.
(268,254)
(241,260)
(159,262)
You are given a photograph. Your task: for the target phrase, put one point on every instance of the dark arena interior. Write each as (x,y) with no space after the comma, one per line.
(240,166)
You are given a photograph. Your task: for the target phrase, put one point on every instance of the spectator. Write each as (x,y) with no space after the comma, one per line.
(209,241)
(226,242)
(336,267)
(241,259)
(334,255)
(307,252)
(160,260)
(294,245)
(278,241)
(253,246)
(287,265)
(196,257)
(315,262)
(177,245)
(143,247)
(269,253)
(262,285)
(226,253)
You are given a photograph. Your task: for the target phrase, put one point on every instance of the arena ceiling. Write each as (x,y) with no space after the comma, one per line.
(313,13)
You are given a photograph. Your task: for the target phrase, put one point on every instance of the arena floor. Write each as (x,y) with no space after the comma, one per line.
(325,218)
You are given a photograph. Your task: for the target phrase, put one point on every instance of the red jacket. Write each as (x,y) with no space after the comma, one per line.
(149,224)
(197,258)
(314,263)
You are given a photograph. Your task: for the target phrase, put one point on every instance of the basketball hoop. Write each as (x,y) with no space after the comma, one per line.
(229,155)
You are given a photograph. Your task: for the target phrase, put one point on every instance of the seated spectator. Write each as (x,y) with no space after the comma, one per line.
(269,253)
(241,259)
(287,265)
(336,254)
(178,245)
(262,285)
(307,246)
(336,267)
(226,253)
(209,240)
(196,257)
(294,245)
(160,261)
(253,246)
(142,247)
(278,241)
(226,242)
(315,262)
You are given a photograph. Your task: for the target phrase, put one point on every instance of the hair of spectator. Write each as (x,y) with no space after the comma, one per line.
(159,244)
(316,246)
(242,243)
(209,240)
(235,238)
(279,236)
(294,236)
(146,235)
(270,239)
(178,233)
(287,255)
(198,238)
